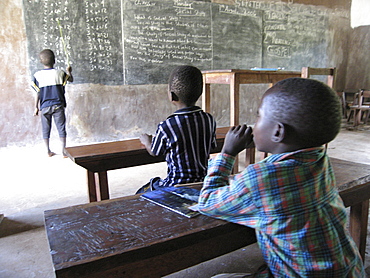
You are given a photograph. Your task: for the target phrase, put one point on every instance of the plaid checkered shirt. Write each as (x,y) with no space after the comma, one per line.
(290,199)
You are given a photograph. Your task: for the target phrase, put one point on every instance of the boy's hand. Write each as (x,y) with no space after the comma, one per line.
(36,112)
(69,73)
(237,139)
(146,140)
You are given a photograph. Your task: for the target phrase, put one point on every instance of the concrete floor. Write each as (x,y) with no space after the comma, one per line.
(32,183)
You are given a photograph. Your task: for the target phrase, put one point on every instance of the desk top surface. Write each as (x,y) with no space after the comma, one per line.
(79,234)
(129,225)
(250,71)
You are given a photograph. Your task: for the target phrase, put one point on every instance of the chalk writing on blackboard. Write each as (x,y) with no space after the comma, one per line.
(140,41)
(92,35)
(160,34)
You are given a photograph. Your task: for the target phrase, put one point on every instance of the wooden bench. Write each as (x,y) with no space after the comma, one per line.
(97,159)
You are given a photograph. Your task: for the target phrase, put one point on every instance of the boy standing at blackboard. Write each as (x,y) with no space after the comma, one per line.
(50,99)
(290,198)
(186,137)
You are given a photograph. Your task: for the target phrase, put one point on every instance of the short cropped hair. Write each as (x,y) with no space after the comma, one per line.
(309,107)
(187,83)
(47,57)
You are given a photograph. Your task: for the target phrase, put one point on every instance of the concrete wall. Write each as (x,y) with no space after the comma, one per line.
(98,113)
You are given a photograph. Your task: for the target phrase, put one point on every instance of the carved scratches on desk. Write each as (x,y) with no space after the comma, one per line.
(102,230)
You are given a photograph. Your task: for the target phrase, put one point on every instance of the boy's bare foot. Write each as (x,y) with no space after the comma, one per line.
(50,154)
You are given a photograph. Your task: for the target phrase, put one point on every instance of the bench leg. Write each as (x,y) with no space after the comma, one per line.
(98,188)
(358,225)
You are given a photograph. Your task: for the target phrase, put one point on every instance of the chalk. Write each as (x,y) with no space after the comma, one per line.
(267,69)
(63,42)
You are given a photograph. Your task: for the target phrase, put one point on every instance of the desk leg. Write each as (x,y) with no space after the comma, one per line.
(358,225)
(103,185)
(250,156)
(234,100)
(206,98)
(234,109)
(98,188)
(91,185)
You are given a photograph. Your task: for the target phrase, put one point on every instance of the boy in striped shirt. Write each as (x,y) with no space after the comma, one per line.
(187,136)
(289,198)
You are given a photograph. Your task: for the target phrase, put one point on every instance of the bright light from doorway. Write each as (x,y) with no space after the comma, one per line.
(360,11)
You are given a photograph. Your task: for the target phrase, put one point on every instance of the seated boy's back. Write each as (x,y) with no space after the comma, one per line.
(187,136)
(186,139)
(290,197)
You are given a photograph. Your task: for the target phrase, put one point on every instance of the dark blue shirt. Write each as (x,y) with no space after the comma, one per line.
(49,84)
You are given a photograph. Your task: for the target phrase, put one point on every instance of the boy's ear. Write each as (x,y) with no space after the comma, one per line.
(279,132)
(174,97)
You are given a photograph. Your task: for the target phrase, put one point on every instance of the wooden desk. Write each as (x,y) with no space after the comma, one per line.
(97,159)
(131,237)
(353,180)
(235,77)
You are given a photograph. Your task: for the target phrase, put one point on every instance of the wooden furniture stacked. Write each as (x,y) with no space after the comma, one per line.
(131,237)
(360,109)
(347,98)
(97,159)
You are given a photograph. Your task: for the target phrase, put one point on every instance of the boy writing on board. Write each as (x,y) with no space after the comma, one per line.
(50,98)
(289,198)
(187,136)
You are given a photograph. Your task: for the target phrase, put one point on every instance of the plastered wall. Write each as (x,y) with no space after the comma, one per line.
(97,113)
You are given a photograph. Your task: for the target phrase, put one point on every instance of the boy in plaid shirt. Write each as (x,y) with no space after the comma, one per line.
(289,198)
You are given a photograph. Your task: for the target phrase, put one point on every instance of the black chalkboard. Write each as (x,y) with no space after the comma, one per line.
(294,36)
(140,41)
(91,32)
(159,35)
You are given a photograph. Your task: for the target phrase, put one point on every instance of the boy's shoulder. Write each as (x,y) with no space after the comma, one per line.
(50,71)
(184,112)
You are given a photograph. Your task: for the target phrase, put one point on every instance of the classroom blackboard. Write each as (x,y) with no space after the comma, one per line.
(92,37)
(118,42)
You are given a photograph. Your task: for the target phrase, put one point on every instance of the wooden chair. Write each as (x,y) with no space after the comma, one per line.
(331,73)
(347,97)
(360,109)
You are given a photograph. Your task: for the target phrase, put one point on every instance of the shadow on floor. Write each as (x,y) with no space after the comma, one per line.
(15,227)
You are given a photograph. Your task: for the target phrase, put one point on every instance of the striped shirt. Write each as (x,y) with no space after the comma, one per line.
(186,139)
(49,84)
(291,201)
